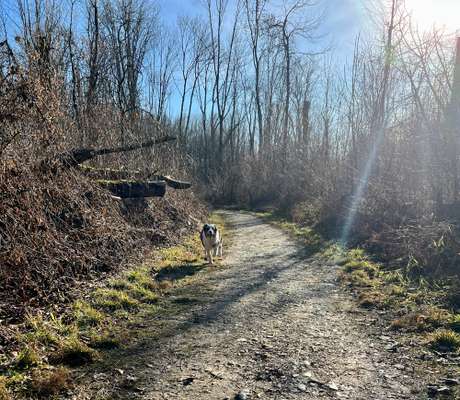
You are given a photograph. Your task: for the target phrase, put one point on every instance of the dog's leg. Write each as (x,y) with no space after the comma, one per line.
(209,256)
(220,248)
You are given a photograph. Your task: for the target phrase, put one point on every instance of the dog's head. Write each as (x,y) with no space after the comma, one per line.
(209,230)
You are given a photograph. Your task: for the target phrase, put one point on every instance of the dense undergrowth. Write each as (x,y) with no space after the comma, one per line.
(49,345)
(420,301)
(58,228)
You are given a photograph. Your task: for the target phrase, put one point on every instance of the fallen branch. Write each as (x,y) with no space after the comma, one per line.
(78,156)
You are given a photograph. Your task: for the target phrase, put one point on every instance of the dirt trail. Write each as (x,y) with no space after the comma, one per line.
(270,322)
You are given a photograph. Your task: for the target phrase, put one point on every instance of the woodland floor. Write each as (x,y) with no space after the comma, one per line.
(270,322)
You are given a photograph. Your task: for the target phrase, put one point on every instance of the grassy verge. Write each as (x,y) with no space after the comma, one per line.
(51,345)
(418,306)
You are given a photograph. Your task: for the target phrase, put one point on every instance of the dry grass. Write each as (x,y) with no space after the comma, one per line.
(372,299)
(4,393)
(423,320)
(47,383)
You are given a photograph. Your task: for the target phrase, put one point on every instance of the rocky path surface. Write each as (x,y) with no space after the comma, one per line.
(270,323)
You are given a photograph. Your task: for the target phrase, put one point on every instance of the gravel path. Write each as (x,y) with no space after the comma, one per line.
(270,323)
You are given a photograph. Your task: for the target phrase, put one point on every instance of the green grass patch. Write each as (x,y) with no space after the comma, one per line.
(142,277)
(143,295)
(371,269)
(445,340)
(113,299)
(86,315)
(27,357)
(454,323)
(40,331)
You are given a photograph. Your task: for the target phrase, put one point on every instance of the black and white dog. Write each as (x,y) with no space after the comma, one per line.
(212,241)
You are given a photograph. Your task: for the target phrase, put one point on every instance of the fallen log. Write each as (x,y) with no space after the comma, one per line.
(75,157)
(134,189)
(119,174)
(112,174)
(174,183)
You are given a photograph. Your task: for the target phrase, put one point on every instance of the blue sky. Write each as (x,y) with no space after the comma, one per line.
(344,19)
(342,22)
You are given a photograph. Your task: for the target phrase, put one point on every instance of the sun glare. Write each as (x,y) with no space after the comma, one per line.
(439,13)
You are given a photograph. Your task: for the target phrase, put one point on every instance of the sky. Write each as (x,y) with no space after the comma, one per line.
(344,19)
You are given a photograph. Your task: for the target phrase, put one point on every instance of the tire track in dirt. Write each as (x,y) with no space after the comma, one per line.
(270,323)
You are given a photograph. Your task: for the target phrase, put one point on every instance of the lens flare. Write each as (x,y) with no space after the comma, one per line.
(361,188)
